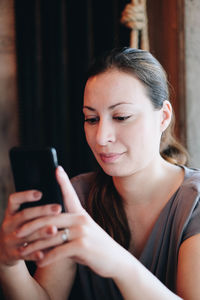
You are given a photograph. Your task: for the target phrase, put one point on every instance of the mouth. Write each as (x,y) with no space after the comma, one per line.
(109,157)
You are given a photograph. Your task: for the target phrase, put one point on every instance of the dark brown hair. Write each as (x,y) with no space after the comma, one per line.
(104,204)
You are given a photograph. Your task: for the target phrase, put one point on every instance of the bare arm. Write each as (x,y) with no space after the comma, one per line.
(17,283)
(136,282)
(57,278)
(188,277)
(52,282)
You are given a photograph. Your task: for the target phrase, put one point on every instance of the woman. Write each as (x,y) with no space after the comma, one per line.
(133,230)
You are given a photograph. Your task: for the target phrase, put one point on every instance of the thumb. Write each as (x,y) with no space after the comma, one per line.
(70,198)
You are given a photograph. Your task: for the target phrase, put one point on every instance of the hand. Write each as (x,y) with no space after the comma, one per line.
(10,243)
(87,243)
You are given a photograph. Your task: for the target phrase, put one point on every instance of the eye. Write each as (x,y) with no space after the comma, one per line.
(91,121)
(121,118)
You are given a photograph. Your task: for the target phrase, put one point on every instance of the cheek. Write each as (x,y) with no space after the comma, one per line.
(142,135)
(149,137)
(135,133)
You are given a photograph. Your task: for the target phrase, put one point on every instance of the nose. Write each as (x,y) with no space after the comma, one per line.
(105,133)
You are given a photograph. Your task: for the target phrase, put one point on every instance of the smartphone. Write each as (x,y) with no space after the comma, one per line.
(35,169)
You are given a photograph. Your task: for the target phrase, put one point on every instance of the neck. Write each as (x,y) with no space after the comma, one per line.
(142,186)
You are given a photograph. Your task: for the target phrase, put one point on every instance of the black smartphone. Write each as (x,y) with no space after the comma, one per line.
(35,169)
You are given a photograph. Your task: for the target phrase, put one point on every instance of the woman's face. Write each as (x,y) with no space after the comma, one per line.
(122,128)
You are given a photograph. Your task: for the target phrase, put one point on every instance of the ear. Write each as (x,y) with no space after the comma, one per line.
(166,115)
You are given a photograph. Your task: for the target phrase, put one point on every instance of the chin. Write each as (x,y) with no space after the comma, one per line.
(115,172)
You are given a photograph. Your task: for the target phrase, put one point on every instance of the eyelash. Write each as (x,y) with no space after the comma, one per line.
(93,121)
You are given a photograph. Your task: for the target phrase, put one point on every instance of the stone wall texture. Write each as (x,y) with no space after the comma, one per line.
(192,44)
(8,98)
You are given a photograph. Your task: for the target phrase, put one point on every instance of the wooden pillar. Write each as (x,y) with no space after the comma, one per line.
(8,98)
(166,35)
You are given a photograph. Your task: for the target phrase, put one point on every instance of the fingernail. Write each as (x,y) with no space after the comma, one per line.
(61,171)
(37,195)
(51,230)
(39,255)
(56,208)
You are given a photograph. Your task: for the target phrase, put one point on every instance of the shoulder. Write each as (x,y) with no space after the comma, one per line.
(82,185)
(188,275)
(188,194)
(187,204)
(186,199)
(191,180)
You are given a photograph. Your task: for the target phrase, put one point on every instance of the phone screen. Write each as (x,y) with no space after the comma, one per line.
(35,169)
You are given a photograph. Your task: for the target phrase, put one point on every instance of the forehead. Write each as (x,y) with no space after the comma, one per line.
(113,86)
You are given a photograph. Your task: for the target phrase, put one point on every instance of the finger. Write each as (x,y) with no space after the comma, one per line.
(42,244)
(44,233)
(15,222)
(32,213)
(36,256)
(15,200)
(62,221)
(70,198)
(70,250)
(63,236)
(16,245)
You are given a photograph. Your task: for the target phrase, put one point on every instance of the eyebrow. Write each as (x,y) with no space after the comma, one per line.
(110,107)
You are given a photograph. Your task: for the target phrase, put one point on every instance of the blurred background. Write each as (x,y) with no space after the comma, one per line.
(46,47)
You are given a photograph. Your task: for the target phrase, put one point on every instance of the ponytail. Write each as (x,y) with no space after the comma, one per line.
(170,148)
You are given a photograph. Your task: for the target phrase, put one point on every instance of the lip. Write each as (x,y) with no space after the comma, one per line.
(109,157)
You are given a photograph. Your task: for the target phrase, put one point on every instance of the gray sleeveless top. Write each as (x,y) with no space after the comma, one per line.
(179,220)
